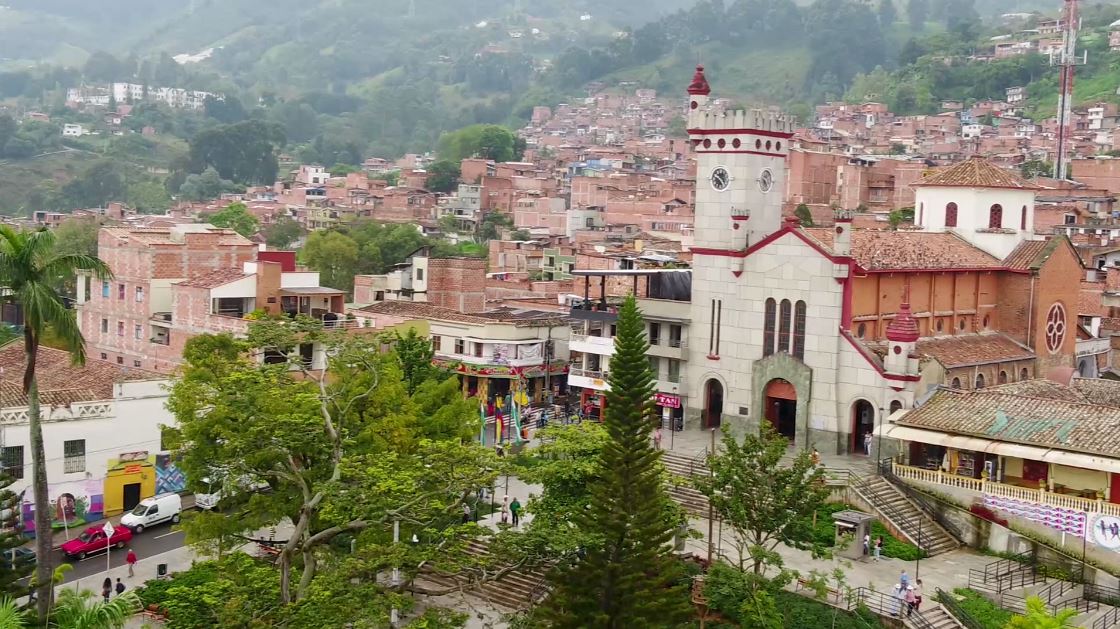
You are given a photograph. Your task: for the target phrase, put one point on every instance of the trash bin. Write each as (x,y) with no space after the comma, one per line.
(161,570)
(851,527)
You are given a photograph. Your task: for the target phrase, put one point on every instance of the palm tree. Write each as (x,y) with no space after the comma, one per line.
(81,610)
(30,271)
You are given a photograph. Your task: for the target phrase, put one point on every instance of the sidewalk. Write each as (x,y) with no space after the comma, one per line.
(946,571)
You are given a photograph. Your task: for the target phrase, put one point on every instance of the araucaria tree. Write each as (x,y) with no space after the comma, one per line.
(627,575)
(31,268)
(762,501)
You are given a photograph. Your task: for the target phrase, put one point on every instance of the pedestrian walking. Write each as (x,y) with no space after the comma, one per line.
(120,587)
(904,579)
(918,595)
(866,545)
(466,513)
(131,559)
(107,589)
(657,438)
(900,599)
(867,444)
(878,548)
(895,602)
(515,509)
(505,509)
(911,601)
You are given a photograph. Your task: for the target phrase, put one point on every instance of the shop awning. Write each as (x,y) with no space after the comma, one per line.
(1001,448)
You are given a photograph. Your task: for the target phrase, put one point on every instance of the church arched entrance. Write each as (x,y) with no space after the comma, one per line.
(863,424)
(781,407)
(713,403)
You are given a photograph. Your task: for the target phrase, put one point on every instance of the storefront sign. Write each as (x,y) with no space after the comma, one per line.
(667,400)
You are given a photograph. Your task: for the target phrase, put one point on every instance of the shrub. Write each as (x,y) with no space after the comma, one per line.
(824,533)
(985,513)
(986,613)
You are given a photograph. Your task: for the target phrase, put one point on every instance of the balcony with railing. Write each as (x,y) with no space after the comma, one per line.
(981,487)
(588,379)
(591,344)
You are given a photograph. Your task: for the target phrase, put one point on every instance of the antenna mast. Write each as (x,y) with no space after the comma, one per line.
(1067,64)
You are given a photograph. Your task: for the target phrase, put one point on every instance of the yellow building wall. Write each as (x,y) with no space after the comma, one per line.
(1013,467)
(1078,478)
(127,473)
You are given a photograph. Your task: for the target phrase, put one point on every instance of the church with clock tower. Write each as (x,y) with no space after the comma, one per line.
(823,332)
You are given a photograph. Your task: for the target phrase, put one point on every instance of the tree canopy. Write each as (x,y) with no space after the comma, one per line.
(346,452)
(235,216)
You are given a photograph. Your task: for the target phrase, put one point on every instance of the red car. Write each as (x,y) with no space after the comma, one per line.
(92,541)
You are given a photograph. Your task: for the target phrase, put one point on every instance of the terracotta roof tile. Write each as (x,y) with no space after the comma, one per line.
(973,349)
(1089,302)
(1041,421)
(882,250)
(1026,255)
(213,279)
(60,381)
(975,172)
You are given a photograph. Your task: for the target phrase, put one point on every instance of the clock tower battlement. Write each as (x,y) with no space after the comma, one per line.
(740,170)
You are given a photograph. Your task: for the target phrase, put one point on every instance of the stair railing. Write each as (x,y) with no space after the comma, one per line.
(953,607)
(922,501)
(907,523)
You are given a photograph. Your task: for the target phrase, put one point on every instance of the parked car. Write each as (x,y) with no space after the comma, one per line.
(154,510)
(17,557)
(92,541)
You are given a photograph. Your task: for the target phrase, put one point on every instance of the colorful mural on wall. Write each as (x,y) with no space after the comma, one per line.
(129,478)
(74,503)
(1067,520)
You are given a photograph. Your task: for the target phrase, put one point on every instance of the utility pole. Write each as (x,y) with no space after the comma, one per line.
(711,510)
(394,614)
(1067,62)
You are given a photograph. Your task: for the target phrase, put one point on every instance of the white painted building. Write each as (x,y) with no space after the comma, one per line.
(71,130)
(101,433)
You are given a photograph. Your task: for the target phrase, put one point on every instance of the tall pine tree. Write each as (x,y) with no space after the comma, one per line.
(628,576)
(13,566)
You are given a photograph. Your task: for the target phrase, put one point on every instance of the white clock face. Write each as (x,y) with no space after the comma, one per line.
(721,179)
(765,180)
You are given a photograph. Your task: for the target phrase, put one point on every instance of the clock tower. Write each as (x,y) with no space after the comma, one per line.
(740,171)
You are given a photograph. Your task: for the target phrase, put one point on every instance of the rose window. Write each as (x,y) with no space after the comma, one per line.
(1055,328)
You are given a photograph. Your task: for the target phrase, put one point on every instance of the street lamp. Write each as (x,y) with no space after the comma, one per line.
(711,509)
(879,442)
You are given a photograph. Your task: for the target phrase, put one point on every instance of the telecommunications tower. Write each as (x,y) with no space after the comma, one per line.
(1067,61)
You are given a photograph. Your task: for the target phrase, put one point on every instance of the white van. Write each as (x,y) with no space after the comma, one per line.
(150,511)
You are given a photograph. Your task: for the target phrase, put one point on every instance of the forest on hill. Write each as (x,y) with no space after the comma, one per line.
(335,81)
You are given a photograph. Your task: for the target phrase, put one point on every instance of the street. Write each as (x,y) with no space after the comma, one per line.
(151,542)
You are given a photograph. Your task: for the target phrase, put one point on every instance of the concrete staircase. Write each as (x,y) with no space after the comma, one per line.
(937,618)
(681,468)
(903,516)
(516,590)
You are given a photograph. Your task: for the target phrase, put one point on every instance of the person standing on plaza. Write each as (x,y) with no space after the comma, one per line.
(505,509)
(904,579)
(911,601)
(816,457)
(866,546)
(657,438)
(878,548)
(918,594)
(515,509)
(120,587)
(131,559)
(107,589)
(867,444)
(466,513)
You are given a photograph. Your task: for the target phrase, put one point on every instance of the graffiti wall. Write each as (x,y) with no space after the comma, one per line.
(127,479)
